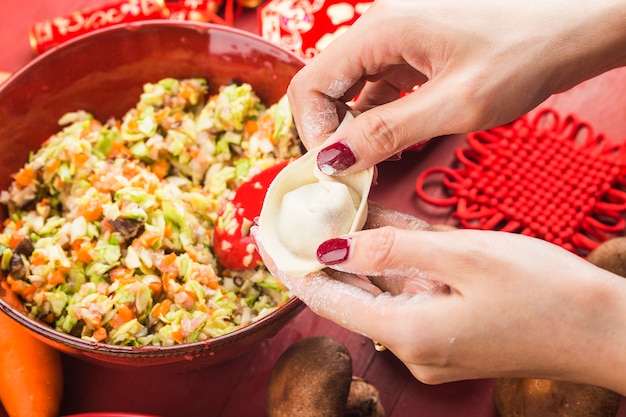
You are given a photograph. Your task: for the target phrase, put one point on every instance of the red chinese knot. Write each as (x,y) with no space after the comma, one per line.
(542,176)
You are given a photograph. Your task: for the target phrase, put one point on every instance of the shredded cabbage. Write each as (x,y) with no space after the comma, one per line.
(110,223)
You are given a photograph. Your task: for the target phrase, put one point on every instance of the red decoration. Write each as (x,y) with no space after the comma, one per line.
(542,176)
(305,27)
(48,33)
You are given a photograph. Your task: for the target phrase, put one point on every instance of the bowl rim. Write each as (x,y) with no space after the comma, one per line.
(167,23)
(148,351)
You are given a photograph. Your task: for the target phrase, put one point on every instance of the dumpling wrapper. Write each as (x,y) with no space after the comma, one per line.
(304,207)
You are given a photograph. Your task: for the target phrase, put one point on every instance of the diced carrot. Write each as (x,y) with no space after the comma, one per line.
(177,335)
(166,278)
(206,276)
(185,92)
(191,294)
(49,318)
(38,258)
(80,159)
(53,167)
(25,176)
(122,274)
(100,334)
(251,126)
(160,168)
(157,288)
(161,308)
(133,125)
(118,150)
(193,254)
(18,286)
(125,313)
(56,277)
(130,170)
(83,254)
(148,239)
(169,228)
(92,210)
(168,264)
(16,238)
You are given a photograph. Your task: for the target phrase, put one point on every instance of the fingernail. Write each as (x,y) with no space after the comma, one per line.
(333,251)
(335,158)
(255,221)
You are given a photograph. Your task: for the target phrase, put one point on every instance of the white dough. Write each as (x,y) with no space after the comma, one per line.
(314,213)
(305,207)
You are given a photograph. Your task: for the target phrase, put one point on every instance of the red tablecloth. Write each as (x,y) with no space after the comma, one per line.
(237,388)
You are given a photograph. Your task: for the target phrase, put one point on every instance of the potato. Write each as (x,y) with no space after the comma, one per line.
(546,398)
(363,400)
(311,378)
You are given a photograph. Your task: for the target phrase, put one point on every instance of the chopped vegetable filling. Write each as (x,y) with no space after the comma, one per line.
(109,231)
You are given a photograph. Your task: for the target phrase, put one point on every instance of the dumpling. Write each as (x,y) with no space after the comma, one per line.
(304,207)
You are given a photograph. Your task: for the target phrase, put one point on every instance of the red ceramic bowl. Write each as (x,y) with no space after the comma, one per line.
(103,72)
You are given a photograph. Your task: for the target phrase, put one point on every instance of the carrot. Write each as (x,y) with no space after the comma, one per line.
(250,127)
(124,315)
(122,274)
(80,159)
(148,239)
(53,167)
(100,334)
(25,176)
(92,210)
(168,229)
(119,150)
(177,335)
(160,168)
(31,376)
(56,277)
(38,258)
(82,250)
(162,308)
(16,238)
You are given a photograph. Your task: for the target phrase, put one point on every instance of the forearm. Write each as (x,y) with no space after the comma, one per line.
(600,355)
(593,41)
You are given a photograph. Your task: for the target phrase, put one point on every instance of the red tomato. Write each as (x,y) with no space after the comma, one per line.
(232,242)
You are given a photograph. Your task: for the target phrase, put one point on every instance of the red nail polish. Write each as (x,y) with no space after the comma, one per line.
(335,158)
(333,251)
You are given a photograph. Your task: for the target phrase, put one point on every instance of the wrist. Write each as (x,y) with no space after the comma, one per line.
(602,355)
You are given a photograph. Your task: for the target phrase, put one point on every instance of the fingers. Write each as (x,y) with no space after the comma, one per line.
(379,216)
(377,134)
(377,316)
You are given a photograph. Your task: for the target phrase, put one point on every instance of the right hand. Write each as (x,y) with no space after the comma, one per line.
(481,63)
(468,304)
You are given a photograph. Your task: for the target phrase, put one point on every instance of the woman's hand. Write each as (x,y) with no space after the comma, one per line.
(481,63)
(470,304)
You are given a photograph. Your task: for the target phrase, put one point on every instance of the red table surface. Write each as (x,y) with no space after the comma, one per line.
(236,388)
